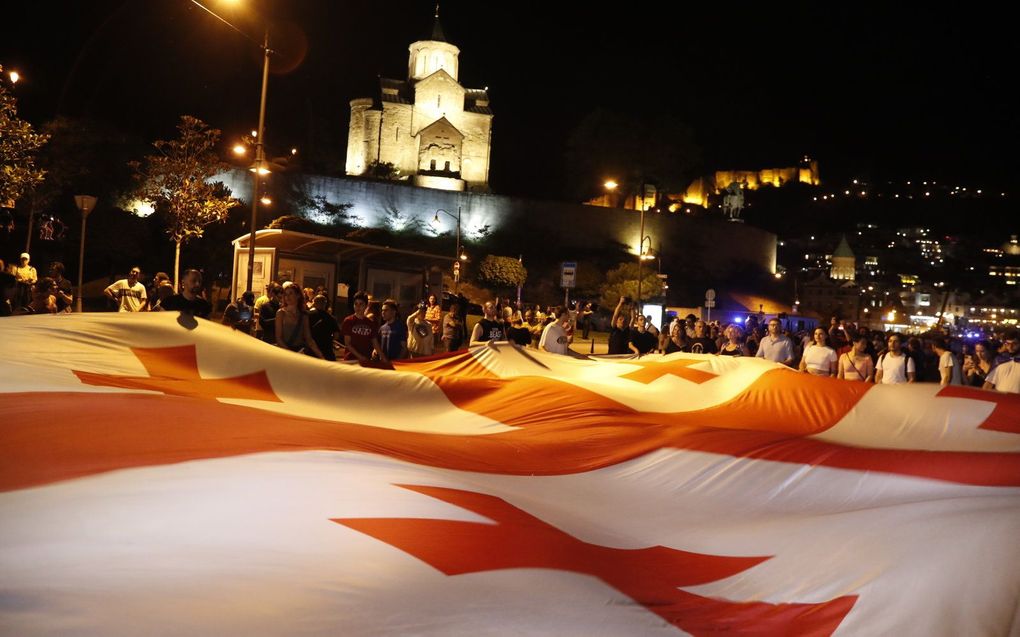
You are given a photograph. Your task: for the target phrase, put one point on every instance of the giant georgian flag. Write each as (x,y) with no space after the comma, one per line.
(165,478)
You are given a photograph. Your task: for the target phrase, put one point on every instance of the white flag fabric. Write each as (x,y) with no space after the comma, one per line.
(166,476)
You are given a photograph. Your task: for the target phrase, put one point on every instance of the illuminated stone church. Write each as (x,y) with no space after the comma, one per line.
(435,132)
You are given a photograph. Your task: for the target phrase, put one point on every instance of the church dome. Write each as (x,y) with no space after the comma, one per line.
(429,56)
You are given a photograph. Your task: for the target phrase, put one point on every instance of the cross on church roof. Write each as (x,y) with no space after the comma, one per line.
(437,29)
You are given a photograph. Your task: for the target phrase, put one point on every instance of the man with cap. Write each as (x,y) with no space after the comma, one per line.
(26,277)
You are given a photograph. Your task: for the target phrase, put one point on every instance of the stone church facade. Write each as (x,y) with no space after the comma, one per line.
(435,132)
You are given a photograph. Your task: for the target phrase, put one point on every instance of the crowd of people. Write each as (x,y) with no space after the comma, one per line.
(373,334)
(22,291)
(843,350)
(376,333)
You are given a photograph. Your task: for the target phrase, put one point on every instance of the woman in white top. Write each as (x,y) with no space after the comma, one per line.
(819,359)
(857,364)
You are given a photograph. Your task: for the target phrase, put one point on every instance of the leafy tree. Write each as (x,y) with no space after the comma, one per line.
(501,272)
(18,145)
(622,281)
(179,183)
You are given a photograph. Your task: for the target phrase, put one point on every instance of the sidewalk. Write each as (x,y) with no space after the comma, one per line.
(582,346)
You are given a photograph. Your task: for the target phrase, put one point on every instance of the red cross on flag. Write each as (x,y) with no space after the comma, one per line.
(157,479)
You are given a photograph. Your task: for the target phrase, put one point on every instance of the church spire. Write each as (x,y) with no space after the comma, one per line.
(437,29)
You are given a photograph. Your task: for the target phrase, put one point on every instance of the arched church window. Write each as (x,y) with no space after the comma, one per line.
(447,167)
(432,165)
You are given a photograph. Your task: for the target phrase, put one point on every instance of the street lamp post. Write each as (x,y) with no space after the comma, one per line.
(520,259)
(86,204)
(641,253)
(260,157)
(457,255)
(260,151)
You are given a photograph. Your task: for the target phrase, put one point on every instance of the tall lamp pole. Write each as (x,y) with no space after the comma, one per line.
(459,257)
(260,151)
(260,158)
(259,161)
(641,254)
(86,204)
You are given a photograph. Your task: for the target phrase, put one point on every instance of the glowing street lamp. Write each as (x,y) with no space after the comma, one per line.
(458,254)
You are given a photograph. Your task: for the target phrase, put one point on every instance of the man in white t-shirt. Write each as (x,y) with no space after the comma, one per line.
(1005,377)
(554,336)
(895,367)
(128,294)
(950,372)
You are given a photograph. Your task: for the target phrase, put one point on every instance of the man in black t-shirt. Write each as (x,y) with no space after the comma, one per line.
(267,313)
(490,328)
(619,328)
(189,300)
(64,294)
(702,343)
(518,333)
(323,326)
(641,340)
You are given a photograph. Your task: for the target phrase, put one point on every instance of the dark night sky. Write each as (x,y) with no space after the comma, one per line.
(873,92)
